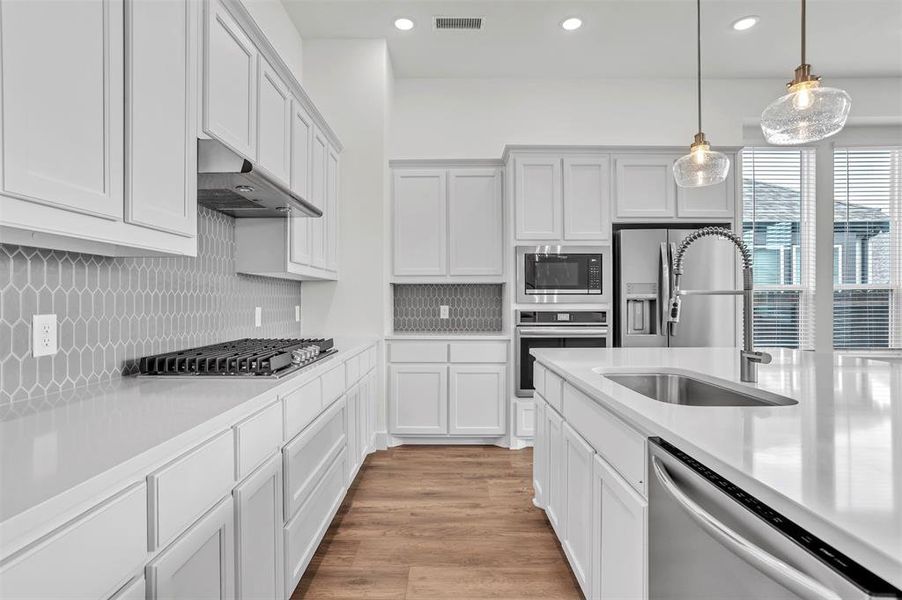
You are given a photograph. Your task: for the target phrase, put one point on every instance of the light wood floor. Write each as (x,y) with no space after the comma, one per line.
(440,522)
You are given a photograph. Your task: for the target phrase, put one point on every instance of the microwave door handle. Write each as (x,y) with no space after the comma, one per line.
(778,570)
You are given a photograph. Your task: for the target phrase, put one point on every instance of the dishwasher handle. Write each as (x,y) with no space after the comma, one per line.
(787,575)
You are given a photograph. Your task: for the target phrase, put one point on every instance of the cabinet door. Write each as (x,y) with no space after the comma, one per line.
(644,187)
(554,465)
(299,246)
(419,222)
(539,455)
(619,536)
(331,210)
(273,123)
(230,82)
(352,427)
(476,401)
(318,198)
(199,563)
(258,532)
(419,399)
(62,112)
(709,202)
(537,197)
(474,222)
(587,198)
(577,541)
(161,110)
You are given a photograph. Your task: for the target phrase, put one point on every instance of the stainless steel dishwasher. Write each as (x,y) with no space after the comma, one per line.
(708,539)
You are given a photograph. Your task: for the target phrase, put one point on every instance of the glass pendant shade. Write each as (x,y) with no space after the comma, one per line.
(701,167)
(808,113)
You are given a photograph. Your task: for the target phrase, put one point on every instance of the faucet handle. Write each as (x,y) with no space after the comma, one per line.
(757,356)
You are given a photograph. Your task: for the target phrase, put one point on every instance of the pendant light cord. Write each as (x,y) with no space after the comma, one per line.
(803,31)
(698,25)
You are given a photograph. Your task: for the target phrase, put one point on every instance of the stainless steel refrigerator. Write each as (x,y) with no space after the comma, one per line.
(644,257)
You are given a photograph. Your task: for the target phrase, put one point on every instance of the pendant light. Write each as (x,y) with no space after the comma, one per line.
(702,166)
(809,112)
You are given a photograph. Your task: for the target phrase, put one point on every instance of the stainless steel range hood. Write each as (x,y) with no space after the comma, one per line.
(232,185)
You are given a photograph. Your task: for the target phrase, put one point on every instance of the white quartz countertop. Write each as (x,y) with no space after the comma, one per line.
(832,462)
(59,452)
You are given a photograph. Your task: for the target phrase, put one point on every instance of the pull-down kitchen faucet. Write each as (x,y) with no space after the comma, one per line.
(748,357)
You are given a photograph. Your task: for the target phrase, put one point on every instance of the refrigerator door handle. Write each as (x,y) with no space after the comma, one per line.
(664,290)
(797,581)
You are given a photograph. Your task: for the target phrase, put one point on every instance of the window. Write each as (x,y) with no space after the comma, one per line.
(867,231)
(778,217)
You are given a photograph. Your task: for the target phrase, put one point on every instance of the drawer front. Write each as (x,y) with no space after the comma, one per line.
(136,590)
(301,407)
(352,368)
(525,418)
(620,445)
(554,390)
(303,533)
(333,385)
(65,563)
(257,438)
(419,352)
(373,357)
(307,456)
(478,352)
(538,378)
(187,487)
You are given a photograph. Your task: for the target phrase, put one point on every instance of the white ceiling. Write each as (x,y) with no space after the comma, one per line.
(619,38)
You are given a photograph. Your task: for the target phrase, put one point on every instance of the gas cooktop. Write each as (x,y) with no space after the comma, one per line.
(249,357)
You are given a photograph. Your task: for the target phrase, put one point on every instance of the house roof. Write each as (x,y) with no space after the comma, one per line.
(775,203)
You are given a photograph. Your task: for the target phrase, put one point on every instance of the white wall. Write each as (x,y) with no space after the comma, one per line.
(273,19)
(475,118)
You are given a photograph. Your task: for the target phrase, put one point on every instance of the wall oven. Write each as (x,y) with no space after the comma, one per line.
(555,329)
(564,274)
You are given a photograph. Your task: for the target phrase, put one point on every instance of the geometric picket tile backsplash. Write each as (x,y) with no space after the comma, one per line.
(472,308)
(112,311)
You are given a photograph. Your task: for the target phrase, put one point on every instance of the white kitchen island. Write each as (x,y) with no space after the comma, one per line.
(832,462)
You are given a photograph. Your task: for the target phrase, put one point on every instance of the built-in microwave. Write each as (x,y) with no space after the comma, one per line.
(563,274)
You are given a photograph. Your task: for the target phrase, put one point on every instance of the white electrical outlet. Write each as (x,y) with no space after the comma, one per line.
(258,316)
(43,335)
(297,313)
(443,311)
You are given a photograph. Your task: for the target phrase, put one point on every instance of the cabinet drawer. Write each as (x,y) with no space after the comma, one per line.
(307,456)
(301,407)
(135,590)
(419,352)
(365,362)
(258,437)
(187,487)
(525,422)
(620,445)
(352,369)
(333,385)
(373,357)
(303,533)
(65,563)
(538,378)
(553,390)
(478,352)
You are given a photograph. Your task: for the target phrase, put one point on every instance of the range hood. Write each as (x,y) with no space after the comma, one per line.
(232,185)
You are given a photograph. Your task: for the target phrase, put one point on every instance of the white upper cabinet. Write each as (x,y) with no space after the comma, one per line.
(474,222)
(301,155)
(230,82)
(419,222)
(62,81)
(713,201)
(587,198)
(318,198)
(273,123)
(537,188)
(330,210)
(161,115)
(645,188)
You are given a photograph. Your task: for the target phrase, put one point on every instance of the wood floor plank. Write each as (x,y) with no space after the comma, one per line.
(436,522)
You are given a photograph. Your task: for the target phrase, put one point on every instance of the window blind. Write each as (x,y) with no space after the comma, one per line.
(867,238)
(778,226)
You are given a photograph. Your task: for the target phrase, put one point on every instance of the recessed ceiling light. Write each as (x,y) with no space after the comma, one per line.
(571,24)
(404,24)
(745,23)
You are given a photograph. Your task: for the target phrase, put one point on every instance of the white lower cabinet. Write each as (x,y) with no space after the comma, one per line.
(199,563)
(258,532)
(555,501)
(619,536)
(134,590)
(539,455)
(418,399)
(352,428)
(577,542)
(474,408)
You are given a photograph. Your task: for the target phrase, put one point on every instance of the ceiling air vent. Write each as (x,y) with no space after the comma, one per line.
(459,23)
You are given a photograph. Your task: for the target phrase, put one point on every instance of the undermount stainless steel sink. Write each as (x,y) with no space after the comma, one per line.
(679,388)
